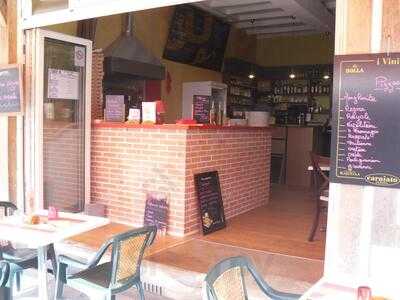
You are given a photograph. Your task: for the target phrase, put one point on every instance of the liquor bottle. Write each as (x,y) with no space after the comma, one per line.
(212,114)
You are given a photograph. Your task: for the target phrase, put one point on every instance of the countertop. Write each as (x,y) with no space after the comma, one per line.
(175,126)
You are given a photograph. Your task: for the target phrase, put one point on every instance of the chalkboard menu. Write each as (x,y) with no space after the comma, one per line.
(201,109)
(210,200)
(156,212)
(197,38)
(115,108)
(10,89)
(365,121)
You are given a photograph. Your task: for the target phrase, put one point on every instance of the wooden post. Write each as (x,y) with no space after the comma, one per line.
(4,179)
(11,143)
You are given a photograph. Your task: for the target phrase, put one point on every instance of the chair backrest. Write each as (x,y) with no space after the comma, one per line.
(226,280)
(127,253)
(8,207)
(4,273)
(321,179)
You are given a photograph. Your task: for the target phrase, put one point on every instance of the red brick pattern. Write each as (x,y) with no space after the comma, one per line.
(242,159)
(97,84)
(128,163)
(62,165)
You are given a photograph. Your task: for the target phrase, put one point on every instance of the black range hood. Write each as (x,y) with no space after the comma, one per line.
(127,59)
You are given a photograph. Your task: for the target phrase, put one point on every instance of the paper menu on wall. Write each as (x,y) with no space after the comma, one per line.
(63,84)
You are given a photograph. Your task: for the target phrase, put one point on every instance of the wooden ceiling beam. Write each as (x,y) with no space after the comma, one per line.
(3,13)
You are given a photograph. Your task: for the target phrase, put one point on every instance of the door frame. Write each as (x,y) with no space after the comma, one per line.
(37,107)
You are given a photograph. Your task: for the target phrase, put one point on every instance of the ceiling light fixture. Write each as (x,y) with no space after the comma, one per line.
(292,75)
(252,76)
(326,77)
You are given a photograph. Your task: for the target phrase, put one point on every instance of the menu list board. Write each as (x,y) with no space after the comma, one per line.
(156,212)
(210,201)
(201,109)
(63,84)
(11,89)
(115,108)
(365,120)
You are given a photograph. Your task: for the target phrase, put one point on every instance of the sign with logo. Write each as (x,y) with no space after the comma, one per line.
(365,120)
(10,89)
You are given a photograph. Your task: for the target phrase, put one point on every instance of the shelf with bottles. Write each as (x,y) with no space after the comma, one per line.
(320,87)
(242,92)
(290,87)
(284,99)
(240,100)
(241,82)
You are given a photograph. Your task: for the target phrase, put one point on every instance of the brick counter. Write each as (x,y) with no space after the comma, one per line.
(129,161)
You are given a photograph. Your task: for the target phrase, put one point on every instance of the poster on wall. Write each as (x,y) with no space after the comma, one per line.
(11,89)
(201,109)
(115,108)
(365,120)
(197,38)
(63,84)
(209,196)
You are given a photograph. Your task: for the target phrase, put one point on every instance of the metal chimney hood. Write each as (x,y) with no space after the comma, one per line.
(127,58)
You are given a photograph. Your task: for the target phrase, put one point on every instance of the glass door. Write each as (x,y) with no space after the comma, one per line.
(63,116)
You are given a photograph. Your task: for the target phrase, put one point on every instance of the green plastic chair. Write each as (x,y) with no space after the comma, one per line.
(113,277)
(226,281)
(4,276)
(20,259)
(4,273)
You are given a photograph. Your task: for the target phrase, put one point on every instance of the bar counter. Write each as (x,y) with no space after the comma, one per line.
(131,160)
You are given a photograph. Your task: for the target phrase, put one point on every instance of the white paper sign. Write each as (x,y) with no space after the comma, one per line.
(80,56)
(149,112)
(63,84)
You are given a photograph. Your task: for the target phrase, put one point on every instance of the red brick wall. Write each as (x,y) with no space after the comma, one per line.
(242,159)
(128,163)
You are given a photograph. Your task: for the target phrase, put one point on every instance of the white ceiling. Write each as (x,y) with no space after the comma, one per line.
(269,18)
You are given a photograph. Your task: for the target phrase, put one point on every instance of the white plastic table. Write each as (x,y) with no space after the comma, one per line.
(42,235)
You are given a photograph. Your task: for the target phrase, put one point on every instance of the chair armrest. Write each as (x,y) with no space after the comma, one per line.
(100,254)
(62,259)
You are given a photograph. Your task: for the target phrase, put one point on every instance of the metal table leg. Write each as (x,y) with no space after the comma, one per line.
(42,273)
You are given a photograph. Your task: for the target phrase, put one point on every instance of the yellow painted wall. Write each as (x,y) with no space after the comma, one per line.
(151,28)
(295,50)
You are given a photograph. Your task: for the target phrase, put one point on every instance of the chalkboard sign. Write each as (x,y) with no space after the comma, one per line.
(210,201)
(197,38)
(156,212)
(365,121)
(11,89)
(201,109)
(115,108)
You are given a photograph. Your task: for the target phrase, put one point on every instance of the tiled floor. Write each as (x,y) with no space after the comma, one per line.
(274,237)
(71,294)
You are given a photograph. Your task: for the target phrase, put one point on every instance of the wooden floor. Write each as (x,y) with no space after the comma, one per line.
(280,227)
